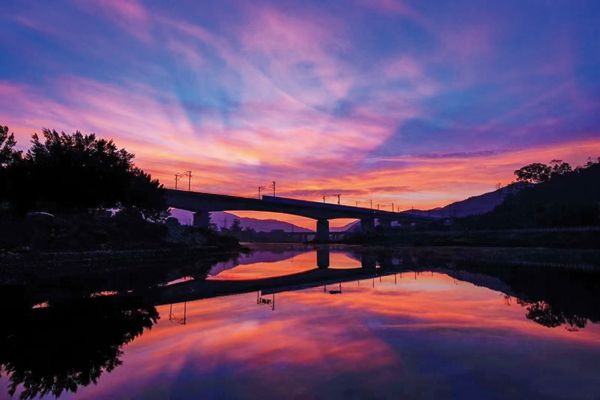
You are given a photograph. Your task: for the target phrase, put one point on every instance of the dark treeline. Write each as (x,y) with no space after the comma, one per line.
(79,192)
(62,172)
(76,192)
(557,196)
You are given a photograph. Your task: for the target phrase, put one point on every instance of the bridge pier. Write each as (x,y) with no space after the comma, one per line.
(367,224)
(322,230)
(368,261)
(385,224)
(201,219)
(323,257)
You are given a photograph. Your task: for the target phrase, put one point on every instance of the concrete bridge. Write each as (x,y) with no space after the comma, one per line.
(204,203)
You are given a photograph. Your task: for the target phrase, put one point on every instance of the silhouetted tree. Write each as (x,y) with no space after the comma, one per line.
(538,172)
(77,171)
(558,167)
(534,173)
(8,154)
(8,157)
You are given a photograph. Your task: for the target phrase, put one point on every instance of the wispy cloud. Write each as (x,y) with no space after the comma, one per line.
(384,100)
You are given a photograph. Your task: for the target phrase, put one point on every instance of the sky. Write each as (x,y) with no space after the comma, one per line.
(415,103)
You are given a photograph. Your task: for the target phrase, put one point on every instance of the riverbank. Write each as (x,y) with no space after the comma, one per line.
(482,257)
(16,267)
(571,238)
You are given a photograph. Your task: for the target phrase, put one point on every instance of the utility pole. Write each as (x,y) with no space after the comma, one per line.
(176,179)
(273,188)
(338,196)
(371,204)
(356,203)
(393,209)
(189,175)
(378,206)
(324,198)
(260,189)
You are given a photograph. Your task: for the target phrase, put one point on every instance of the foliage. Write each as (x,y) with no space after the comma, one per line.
(538,172)
(62,172)
(533,173)
(8,157)
(8,154)
(563,198)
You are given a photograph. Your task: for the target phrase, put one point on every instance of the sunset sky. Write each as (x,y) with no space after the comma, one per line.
(419,103)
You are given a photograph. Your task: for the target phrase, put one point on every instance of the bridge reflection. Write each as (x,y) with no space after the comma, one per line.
(369,265)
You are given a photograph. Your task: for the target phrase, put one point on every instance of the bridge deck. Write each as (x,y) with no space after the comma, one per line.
(207,202)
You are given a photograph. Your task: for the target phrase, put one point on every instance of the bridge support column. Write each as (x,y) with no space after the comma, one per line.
(323,257)
(367,224)
(368,261)
(201,219)
(385,224)
(322,230)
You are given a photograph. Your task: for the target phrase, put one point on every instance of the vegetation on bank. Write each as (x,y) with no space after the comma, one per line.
(558,206)
(80,192)
(558,196)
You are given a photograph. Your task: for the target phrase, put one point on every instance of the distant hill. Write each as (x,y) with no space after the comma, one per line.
(475,205)
(352,226)
(224,220)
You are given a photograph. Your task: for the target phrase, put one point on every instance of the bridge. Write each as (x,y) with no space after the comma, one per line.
(204,203)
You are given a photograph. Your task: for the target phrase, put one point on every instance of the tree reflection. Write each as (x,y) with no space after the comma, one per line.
(544,314)
(552,296)
(58,349)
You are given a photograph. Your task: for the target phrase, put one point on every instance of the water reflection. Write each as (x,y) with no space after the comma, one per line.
(52,350)
(386,324)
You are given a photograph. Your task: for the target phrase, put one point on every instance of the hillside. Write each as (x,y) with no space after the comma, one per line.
(568,200)
(224,219)
(475,205)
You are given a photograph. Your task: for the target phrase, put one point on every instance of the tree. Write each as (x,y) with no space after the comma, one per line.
(8,157)
(558,167)
(8,154)
(62,172)
(534,173)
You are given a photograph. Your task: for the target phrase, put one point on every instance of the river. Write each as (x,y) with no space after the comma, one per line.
(328,323)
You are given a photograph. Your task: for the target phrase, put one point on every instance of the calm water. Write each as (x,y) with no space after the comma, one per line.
(345,325)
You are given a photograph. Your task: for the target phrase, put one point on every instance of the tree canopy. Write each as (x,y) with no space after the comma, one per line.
(8,154)
(63,172)
(538,172)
